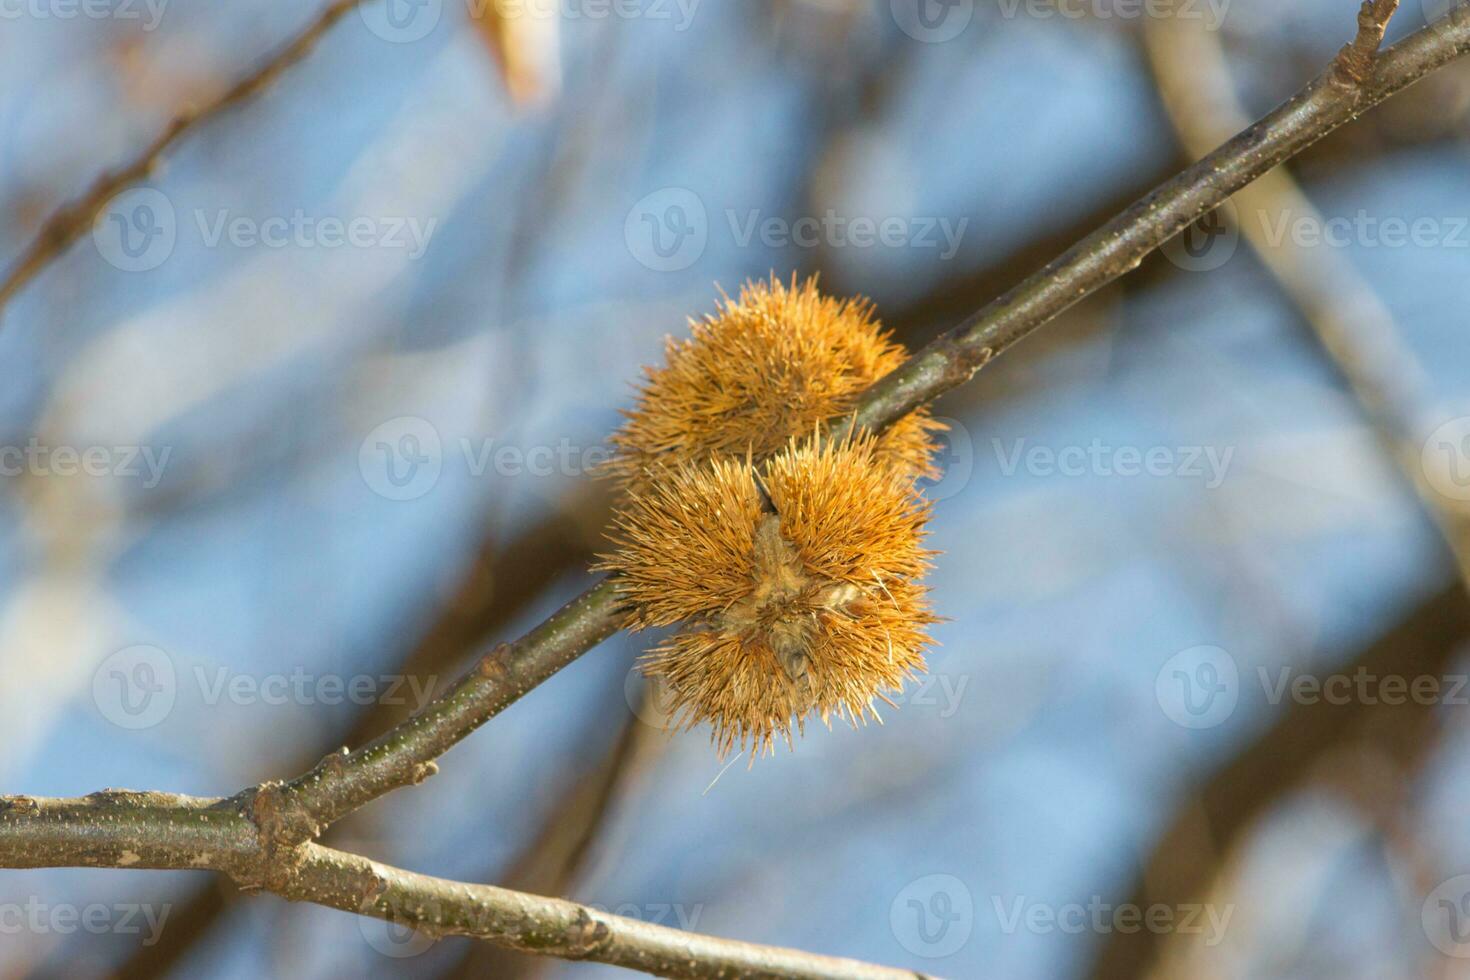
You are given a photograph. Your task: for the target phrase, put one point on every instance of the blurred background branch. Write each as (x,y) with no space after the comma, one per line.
(65,226)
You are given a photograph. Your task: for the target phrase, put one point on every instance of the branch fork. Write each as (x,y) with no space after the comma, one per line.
(1354,64)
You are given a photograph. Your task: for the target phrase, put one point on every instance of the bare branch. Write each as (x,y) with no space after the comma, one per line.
(122,829)
(347,781)
(1350,322)
(340,783)
(73,220)
(1361,339)
(499,584)
(1120,245)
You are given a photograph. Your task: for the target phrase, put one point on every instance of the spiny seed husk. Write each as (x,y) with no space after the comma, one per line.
(815,609)
(767,367)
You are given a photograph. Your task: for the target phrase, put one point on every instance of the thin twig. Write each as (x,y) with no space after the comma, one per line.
(1120,245)
(72,221)
(1359,335)
(120,829)
(344,782)
(1355,61)
(1350,322)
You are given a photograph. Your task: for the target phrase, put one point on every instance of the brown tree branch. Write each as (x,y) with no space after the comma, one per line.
(1360,338)
(503,579)
(1350,322)
(297,811)
(121,829)
(73,220)
(1120,245)
(404,755)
